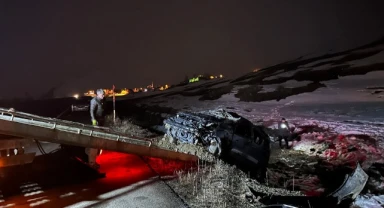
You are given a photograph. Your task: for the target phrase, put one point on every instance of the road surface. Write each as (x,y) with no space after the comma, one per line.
(54,180)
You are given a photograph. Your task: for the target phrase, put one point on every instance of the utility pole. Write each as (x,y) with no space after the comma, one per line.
(114,106)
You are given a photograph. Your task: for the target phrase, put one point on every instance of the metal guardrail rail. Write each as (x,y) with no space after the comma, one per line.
(68,126)
(26,125)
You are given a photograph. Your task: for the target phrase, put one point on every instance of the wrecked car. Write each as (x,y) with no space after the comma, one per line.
(225,134)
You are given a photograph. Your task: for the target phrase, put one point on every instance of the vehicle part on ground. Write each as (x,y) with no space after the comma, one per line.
(350,189)
(369,200)
(23,125)
(352,185)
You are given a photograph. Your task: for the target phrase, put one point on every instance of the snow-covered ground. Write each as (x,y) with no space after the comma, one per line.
(364,117)
(342,103)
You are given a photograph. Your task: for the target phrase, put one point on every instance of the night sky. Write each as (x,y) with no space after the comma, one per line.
(80,45)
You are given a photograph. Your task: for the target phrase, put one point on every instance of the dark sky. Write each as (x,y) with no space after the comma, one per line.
(80,45)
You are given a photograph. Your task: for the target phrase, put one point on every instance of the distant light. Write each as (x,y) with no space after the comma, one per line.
(221,76)
(145,90)
(76,96)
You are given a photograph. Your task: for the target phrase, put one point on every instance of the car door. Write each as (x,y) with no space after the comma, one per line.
(257,147)
(240,140)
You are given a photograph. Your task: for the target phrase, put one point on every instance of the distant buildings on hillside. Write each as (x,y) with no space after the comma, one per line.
(204,77)
(151,87)
(109,92)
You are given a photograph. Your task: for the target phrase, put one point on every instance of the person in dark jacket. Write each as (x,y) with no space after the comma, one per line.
(284,132)
(97,117)
(97,108)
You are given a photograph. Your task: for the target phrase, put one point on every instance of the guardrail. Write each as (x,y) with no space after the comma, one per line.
(26,125)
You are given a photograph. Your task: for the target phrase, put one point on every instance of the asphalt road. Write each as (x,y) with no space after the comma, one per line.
(55,180)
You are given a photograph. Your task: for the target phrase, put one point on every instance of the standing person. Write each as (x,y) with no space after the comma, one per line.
(97,108)
(284,132)
(97,118)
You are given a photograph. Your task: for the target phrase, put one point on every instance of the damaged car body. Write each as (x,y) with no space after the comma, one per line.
(225,134)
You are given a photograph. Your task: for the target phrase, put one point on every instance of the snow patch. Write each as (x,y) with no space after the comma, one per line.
(290,84)
(284,74)
(310,147)
(312,64)
(377,58)
(323,67)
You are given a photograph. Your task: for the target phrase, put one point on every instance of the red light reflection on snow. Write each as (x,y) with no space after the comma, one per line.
(169,167)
